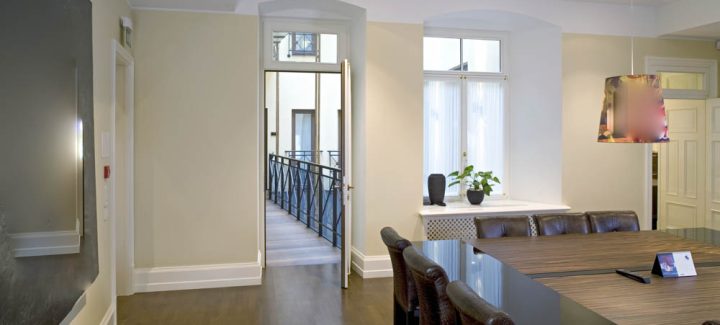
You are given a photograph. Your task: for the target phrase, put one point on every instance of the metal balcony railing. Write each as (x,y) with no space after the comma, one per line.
(304,155)
(310,192)
(334,158)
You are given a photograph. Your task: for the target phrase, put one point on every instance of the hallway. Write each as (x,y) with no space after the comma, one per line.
(290,242)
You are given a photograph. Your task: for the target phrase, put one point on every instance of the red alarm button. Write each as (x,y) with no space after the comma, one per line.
(106,172)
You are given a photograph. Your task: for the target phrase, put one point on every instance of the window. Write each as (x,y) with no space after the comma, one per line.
(684,78)
(464,108)
(457,54)
(305,47)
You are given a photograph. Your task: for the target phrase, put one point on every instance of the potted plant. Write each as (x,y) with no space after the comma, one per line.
(479,183)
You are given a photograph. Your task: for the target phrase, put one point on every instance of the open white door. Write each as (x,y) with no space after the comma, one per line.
(713,197)
(682,161)
(346,99)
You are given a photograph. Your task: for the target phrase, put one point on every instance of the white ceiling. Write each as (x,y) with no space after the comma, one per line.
(189,5)
(627,2)
(676,18)
(709,31)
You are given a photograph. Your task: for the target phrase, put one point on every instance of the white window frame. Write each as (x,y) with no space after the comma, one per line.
(655,65)
(502,76)
(271,25)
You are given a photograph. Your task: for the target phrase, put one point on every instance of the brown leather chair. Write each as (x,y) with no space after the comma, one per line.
(405,295)
(430,281)
(495,227)
(611,221)
(472,309)
(561,223)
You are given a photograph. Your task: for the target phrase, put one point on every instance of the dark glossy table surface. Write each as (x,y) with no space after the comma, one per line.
(526,300)
(529,301)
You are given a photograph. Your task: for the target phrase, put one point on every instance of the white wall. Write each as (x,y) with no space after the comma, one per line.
(536,115)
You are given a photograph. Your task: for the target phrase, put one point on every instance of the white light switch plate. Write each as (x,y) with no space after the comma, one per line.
(105,144)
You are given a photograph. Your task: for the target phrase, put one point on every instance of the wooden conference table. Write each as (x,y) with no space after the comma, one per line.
(581,269)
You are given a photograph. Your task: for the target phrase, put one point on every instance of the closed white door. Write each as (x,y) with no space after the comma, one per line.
(682,166)
(713,198)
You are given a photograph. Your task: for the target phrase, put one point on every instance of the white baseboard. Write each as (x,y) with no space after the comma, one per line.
(46,243)
(109,318)
(368,267)
(197,276)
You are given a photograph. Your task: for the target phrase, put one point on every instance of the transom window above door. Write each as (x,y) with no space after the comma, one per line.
(305,47)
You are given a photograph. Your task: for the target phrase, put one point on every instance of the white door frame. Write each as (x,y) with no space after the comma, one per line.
(653,65)
(122,57)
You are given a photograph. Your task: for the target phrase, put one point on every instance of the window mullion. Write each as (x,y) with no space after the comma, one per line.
(463,128)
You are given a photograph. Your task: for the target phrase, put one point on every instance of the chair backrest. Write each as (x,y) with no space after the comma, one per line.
(611,221)
(495,227)
(472,309)
(430,282)
(403,283)
(561,223)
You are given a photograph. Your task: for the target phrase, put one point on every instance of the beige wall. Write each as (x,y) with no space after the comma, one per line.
(196,139)
(393,135)
(606,176)
(106,14)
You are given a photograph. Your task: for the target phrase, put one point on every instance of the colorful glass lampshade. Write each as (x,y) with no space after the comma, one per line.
(633,110)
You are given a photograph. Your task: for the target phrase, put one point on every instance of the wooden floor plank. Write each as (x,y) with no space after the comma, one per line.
(290,242)
(288,295)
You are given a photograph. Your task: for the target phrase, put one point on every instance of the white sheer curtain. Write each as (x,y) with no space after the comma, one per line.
(303,131)
(442,124)
(485,127)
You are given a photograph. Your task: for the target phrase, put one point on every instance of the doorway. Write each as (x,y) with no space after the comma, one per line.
(121,181)
(303,209)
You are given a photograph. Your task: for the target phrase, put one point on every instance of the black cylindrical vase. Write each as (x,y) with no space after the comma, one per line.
(436,189)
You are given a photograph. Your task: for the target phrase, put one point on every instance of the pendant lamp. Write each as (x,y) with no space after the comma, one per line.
(634,109)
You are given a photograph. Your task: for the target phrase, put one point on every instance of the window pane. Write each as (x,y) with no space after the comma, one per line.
(442,125)
(682,80)
(441,54)
(328,48)
(481,55)
(303,128)
(305,47)
(485,135)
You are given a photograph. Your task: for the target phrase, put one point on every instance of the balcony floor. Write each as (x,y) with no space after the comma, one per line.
(290,242)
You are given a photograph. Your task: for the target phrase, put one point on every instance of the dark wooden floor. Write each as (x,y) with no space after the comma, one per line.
(289,295)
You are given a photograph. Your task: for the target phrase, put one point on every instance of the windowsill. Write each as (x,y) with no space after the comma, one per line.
(491,207)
